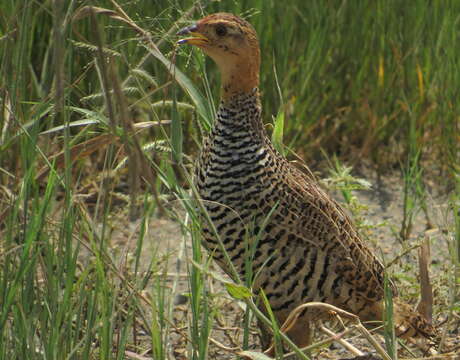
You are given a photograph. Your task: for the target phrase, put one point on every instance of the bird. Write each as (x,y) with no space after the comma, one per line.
(301,244)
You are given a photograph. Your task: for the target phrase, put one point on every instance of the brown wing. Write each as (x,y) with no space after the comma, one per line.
(326,223)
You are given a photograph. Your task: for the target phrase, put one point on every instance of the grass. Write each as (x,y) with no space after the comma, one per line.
(97,125)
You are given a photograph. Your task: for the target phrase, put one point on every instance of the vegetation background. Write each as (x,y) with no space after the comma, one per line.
(96,121)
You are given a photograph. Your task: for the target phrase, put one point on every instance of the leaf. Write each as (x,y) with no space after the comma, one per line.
(238,292)
(278,132)
(71,124)
(168,103)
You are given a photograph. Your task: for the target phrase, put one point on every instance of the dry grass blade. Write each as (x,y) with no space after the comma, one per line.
(322,342)
(86,11)
(322,307)
(253,355)
(233,350)
(7,115)
(345,344)
(426,290)
(380,350)
(133,355)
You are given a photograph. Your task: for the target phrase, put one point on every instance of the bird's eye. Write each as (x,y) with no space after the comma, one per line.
(221,30)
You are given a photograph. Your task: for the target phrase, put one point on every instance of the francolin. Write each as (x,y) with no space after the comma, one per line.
(306,248)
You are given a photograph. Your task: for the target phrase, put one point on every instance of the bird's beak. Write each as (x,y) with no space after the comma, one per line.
(196,37)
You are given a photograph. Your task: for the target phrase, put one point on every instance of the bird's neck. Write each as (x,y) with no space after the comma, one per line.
(241,112)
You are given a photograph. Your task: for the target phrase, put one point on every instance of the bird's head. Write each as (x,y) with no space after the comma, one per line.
(232,43)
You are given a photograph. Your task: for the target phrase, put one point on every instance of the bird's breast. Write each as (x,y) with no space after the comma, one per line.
(230,169)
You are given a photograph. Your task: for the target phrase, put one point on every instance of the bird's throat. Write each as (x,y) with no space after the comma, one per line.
(238,79)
